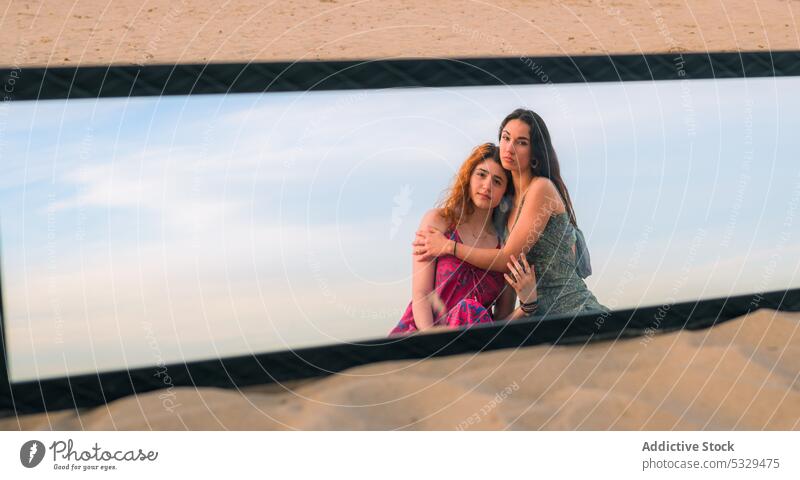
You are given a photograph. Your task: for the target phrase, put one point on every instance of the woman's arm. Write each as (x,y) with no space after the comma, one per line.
(423,277)
(542,200)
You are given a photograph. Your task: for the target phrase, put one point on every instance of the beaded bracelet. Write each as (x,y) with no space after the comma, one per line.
(529,307)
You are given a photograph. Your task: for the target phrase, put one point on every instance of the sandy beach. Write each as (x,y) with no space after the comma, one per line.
(743,374)
(99,32)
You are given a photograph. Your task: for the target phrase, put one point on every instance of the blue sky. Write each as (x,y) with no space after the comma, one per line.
(150,229)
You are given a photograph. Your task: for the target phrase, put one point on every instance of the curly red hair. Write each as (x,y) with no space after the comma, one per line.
(458,204)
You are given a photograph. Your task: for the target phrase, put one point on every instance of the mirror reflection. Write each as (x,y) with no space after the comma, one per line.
(154,230)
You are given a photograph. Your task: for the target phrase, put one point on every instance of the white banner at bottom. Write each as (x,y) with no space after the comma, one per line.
(399,455)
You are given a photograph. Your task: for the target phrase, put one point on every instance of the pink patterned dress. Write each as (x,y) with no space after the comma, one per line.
(466,291)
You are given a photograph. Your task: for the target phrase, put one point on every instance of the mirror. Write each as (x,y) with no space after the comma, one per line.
(141,231)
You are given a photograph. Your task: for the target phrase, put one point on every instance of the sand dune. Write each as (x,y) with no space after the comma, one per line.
(163,31)
(743,374)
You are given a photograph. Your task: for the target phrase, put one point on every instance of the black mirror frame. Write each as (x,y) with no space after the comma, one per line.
(31,84)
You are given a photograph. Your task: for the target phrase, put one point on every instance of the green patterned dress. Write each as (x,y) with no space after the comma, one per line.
(559,287)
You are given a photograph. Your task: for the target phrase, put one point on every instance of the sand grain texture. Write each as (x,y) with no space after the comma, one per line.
(743,374)
(160,31)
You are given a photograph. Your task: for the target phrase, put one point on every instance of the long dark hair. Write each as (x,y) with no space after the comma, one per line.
(543,161)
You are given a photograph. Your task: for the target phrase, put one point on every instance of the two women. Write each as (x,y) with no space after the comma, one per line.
(446,292)
(539,225)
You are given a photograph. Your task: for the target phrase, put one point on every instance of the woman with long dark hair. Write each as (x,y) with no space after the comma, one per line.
(539,219)
(446,292)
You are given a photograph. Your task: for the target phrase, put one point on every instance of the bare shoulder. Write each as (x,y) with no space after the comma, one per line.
(433,218)
(543,186)
(543,192)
